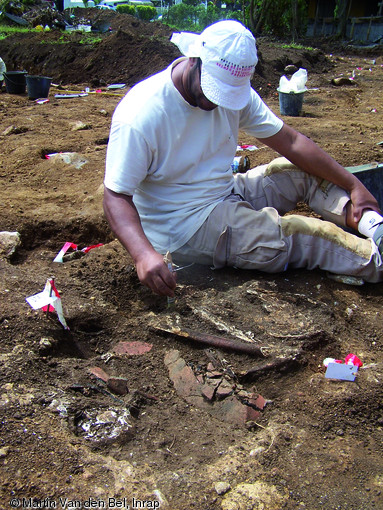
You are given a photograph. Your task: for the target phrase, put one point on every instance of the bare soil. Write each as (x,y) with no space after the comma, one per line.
(316,443)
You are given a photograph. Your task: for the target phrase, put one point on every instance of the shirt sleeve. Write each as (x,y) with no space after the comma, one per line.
(258,120)
(3,69)
(128,159)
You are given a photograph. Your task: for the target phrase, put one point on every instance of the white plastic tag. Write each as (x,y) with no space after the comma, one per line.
(341,371)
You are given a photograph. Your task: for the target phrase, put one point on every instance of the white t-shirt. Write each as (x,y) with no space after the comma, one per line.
(175,159)
(3,69)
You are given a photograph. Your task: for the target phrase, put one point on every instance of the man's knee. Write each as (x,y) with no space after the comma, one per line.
(279,165)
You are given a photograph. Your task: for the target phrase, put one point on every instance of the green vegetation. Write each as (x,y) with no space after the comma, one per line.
(146,12)
(6,31)
(66,37)
(285,19)
(192,16)
(282,18)
(126,9)
(143,12)
(91,39)
(296,47)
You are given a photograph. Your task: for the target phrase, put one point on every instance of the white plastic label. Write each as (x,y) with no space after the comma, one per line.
(341,371)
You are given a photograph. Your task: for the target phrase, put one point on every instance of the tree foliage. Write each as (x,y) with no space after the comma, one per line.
(146,12)
(183,16)
(126,9)
(143,12)
(282,18)
(194,18)
(192,2)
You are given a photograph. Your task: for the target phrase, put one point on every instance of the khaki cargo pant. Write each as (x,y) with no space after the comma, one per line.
(247,230)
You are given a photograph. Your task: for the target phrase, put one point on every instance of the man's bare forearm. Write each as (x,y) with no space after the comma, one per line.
(308,156)
(124,220)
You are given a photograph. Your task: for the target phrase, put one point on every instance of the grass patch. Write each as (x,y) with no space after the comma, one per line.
(70,37)
(6,31)
(90,39)
(295,46)
(65,37)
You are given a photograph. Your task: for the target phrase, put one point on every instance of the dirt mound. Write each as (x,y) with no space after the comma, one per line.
(117,21)
(127,55)
(273,59)
(130,51)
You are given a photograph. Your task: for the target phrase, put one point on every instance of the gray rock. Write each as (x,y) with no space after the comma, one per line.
(291,69)
(9,241)
(222,487)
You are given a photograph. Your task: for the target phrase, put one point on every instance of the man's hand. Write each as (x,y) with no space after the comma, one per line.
(124,220)
(154,273)
(361,200)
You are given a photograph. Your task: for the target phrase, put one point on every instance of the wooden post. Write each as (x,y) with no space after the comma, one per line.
(369,29)
(316,18)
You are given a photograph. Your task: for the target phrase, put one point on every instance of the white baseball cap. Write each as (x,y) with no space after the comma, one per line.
(229,56)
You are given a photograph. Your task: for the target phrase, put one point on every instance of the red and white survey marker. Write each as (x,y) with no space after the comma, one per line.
(64,249)
(48,300)
(72,246)
(346,371)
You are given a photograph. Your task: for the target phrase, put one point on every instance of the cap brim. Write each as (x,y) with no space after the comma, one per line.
(222,94)
(188,43)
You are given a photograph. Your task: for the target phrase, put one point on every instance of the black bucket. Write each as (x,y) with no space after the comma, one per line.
(15,82)
(38,86)
(290,103)
(371,175)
